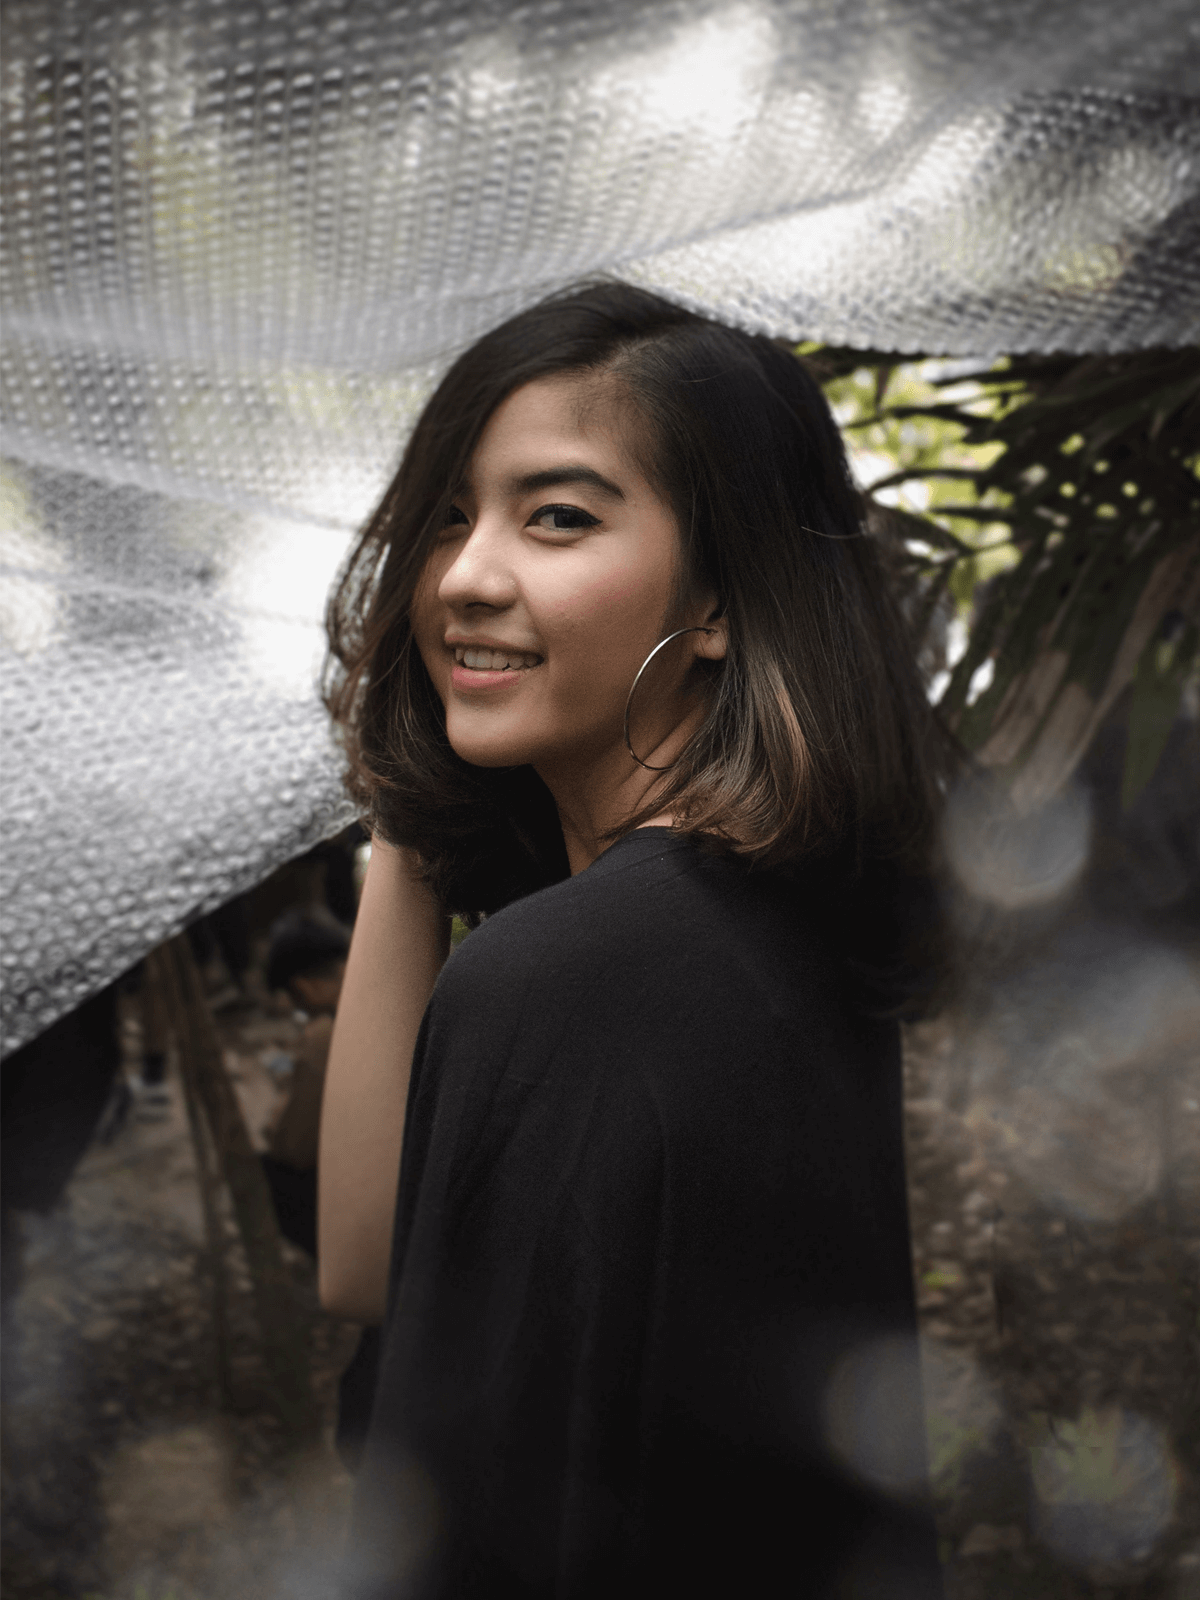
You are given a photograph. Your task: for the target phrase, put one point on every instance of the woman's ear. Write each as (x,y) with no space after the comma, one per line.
(713,643)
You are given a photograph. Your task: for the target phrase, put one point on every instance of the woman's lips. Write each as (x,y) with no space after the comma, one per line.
(490,658)
(485,667)
(464,677)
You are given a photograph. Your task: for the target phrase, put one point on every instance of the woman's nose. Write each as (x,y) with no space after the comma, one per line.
(480,573)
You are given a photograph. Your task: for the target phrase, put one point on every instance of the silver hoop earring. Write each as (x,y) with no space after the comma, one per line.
(677,635)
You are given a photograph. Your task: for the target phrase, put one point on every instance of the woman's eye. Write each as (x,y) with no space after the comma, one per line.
(453,520)
(562,519)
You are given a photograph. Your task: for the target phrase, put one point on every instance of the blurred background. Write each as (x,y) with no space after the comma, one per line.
(241,243)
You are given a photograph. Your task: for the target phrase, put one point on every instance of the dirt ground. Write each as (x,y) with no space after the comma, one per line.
(1056,1238)
(123,1478)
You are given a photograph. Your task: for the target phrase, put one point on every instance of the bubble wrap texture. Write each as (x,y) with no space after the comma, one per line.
(242,239)
(165,746)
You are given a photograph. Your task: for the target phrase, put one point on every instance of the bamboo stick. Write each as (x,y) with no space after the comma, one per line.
(282,1329)
(161,990)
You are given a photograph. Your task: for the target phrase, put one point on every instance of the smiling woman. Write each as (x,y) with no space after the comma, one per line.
(533,617)
(616,665)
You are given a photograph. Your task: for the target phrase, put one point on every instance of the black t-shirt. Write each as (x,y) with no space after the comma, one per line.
(652,1202)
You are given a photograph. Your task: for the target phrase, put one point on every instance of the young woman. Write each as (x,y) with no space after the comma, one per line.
(617,668)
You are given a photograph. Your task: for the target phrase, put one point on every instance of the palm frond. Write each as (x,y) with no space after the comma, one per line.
(1079,477)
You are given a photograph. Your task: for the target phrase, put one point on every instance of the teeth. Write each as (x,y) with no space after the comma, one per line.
(482,660)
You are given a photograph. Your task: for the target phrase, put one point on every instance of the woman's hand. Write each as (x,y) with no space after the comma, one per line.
(401,939)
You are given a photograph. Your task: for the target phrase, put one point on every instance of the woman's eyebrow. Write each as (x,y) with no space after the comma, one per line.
(557,477)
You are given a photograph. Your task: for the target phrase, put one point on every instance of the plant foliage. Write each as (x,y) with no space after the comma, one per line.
(1040,497)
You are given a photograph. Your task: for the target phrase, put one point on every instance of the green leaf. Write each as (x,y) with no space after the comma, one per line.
(1161,674)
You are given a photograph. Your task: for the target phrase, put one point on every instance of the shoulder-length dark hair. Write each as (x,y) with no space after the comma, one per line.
(816,742)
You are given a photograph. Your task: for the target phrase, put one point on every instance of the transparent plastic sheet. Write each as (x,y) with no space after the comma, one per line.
(241,241)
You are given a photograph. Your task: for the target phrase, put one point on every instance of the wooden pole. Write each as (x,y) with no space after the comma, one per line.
(282,1327)
(161,992)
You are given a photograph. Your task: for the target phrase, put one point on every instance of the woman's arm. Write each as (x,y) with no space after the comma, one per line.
(401,939)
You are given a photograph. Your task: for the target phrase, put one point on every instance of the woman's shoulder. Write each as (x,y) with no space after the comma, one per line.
(663,965)
(559,962)
(638,881)
(656,906)
(613,898)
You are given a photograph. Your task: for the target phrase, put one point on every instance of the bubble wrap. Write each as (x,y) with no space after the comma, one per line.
(242,239)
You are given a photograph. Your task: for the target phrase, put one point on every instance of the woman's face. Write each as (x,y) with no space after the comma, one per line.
(551,583)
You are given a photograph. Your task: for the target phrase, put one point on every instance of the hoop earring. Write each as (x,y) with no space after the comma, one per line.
(629,702)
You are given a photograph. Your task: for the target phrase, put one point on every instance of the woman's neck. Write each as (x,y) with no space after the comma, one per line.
(595,795)
(582,852)
(592,803)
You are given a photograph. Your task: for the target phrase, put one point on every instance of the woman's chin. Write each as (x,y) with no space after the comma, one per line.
(546,749)
(492,752)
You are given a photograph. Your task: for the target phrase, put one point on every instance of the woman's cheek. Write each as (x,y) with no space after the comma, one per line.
(612,608)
